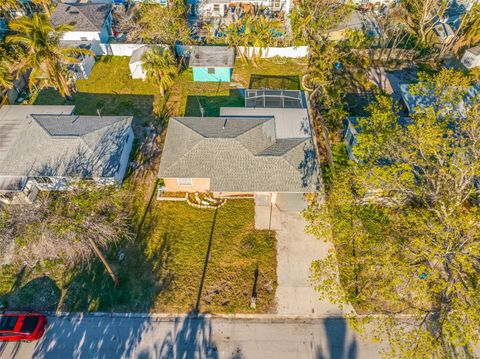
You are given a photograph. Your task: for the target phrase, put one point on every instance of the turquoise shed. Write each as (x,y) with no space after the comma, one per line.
(212,63)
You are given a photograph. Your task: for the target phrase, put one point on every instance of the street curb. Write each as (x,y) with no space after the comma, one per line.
(208,316)
(176,316)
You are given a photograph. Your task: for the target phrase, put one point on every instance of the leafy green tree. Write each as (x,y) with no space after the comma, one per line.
(40,41)
(159,24)
(406,222)
(160,67)
(45,4)
(423,15)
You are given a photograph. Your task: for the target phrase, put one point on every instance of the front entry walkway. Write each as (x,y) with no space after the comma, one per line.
(295,252)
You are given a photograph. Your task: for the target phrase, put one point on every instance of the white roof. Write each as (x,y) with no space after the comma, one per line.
(289,122)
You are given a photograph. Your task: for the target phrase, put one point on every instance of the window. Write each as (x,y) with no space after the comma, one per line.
(216,7)
(275,4)
(185,182)
(211,70)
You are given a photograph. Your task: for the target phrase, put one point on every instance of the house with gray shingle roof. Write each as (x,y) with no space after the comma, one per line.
(243,152)
(90,21)
(46,147)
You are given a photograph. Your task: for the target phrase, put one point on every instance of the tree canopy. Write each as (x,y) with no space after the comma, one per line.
(405,221)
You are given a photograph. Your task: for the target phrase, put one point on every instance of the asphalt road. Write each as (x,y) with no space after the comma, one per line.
(78,336)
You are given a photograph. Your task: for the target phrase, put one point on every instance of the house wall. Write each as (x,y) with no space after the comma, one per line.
(137,71)
(82,36)
(469,60)
(222,74)
(124,159)
(199,185)
(84,68)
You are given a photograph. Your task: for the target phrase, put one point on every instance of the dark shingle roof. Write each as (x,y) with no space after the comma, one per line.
(83,17)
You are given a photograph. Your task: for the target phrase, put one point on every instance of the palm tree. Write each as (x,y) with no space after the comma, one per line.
(8,5)
(160,67)
(45,4)
(259,32)
(43,53)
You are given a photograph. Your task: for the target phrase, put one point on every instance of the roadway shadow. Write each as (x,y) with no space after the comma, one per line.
(338,345)
(189,338)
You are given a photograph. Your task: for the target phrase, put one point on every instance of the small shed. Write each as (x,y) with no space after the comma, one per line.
(471,58)
(212,63)
(135,63)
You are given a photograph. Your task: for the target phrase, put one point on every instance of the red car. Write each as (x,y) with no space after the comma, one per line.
(16,326)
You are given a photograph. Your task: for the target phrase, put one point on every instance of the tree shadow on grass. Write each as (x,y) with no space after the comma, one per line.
(211,104)
(114,104)
(89,288)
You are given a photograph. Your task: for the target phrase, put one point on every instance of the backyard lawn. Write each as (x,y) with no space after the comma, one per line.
(111,90)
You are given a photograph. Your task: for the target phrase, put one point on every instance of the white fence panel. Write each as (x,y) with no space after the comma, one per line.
(116,49)
(269,52)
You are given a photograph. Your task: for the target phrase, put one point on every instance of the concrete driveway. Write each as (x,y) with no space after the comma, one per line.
(295,252)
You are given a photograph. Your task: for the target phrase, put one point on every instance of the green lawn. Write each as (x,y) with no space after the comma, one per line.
(110,90)
(177,238)
(162,270)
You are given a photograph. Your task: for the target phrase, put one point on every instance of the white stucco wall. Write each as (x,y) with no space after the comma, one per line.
(137,71)
(125,157)
(81,36)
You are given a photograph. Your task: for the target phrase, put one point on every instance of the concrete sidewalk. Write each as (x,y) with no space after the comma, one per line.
(88,337)
(296,251)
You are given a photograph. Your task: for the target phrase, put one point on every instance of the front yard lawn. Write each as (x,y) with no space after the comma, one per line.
(177,238)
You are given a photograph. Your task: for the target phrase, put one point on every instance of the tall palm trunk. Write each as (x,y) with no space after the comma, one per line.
(104,261)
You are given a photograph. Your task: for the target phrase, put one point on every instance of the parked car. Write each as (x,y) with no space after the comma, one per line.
(18,326)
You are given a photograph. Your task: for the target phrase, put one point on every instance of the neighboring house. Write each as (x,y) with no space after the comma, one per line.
(354,22)
(265,152)
(47,147)
(90,21)
(471,57)
(444,32)
(135,63)
(81,70)
(223,8)
(212,63)
(418,102)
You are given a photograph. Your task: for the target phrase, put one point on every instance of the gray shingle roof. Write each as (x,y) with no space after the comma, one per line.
(138,54)
(212,56)
(62,145)
(74,125)
(249,158)
(83,17)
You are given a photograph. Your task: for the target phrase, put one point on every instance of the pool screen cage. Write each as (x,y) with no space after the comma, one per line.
(274,99)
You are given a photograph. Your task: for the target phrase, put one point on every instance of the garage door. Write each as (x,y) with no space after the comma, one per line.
(290,202)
